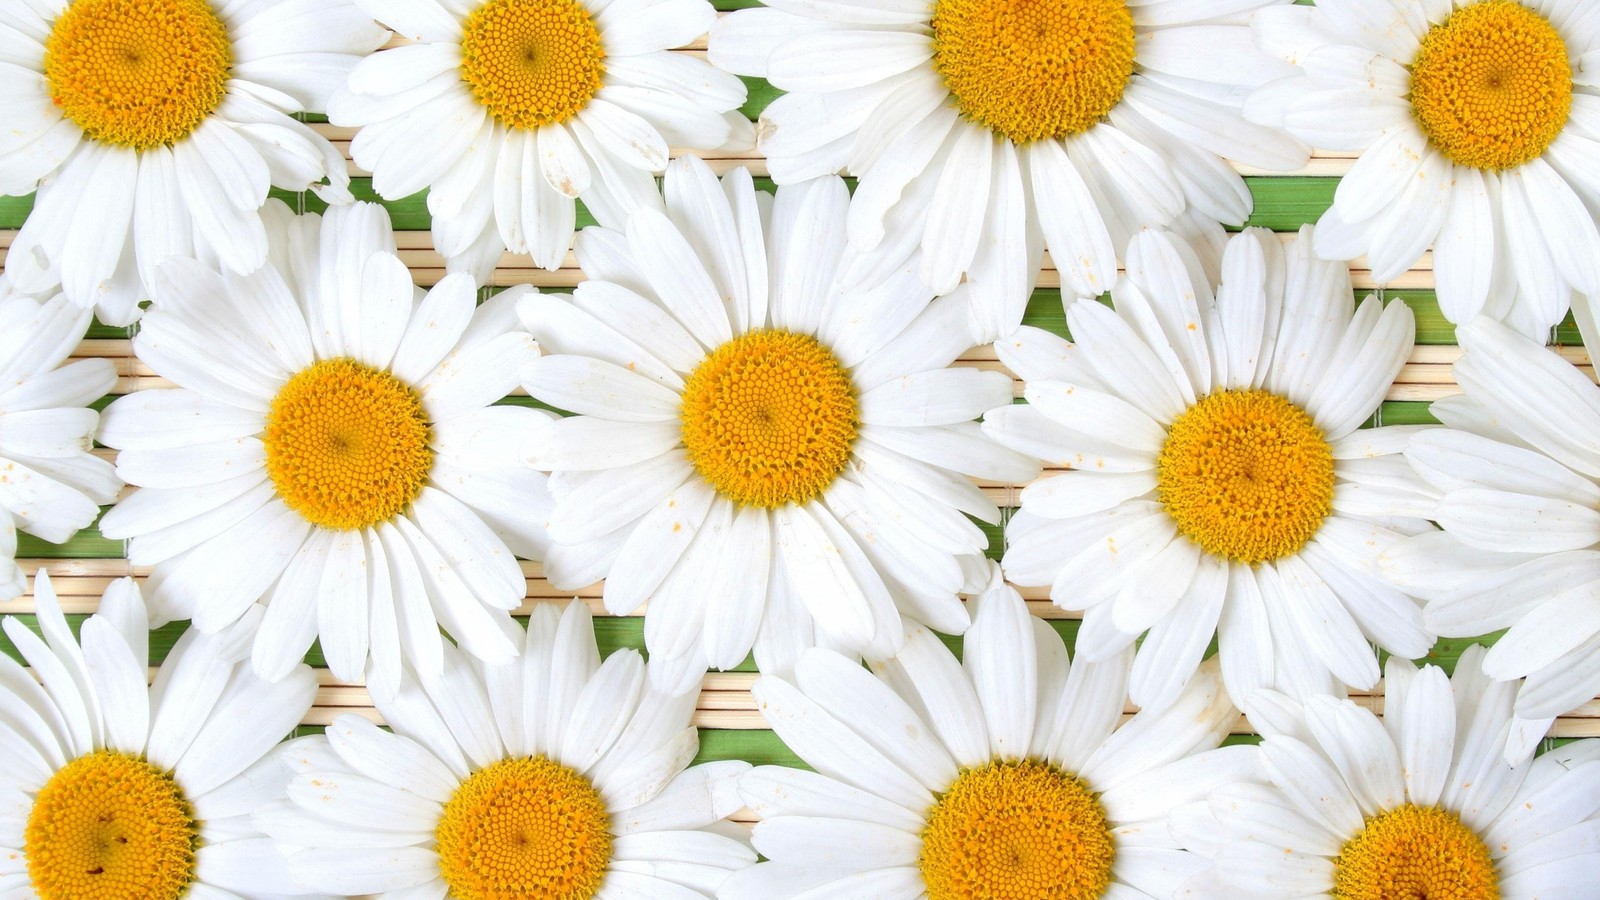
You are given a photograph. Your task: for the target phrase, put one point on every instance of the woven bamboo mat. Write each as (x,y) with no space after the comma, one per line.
(730,726)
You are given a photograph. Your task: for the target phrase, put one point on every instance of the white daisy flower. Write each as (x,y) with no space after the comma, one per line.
(1519,474)
(508,111)
(332,447)
(1477,122)
(50,483)
(1008,774)
(986,131)
(553,775)
(1219,481)
(1418,804)
(767,457)
(115,787)
(153,128)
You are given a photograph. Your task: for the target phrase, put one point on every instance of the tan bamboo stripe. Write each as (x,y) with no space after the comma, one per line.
(120,352)
(1422,366)
(80,582)
(1570,726)
(725,701)
(1321,165)
(415,249)
(1427,385)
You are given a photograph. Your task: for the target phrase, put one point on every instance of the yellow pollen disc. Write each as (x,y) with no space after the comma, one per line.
(1415,853)
(1017,831)
(347,444)
(110,827)
(1034,69)
(532,62)
(524,827)
(1492,85)
(1246,475)
(769,417)
(137,73)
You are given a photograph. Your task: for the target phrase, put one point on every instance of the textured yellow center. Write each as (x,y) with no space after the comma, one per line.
(110,827)
(137,73)
(532,62)
(1017,831)
(769,417)
(1415,853)
(1034,69)
(524,828)
(1246,475)
(1492,85)
(347,444)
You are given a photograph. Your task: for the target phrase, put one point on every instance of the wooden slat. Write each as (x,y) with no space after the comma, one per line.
(415,249)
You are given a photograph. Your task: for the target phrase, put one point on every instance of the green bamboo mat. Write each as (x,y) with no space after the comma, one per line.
(1282,203)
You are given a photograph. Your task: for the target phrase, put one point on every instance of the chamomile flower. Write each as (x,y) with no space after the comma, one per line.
(1478,128)
(1519,475)
(986,131)
(153,128)
(1218,481)
(1010,773)
(508,111)
(332,449)
(1417,804)
(554,775)
(769,458)
(118,788)
(50,484)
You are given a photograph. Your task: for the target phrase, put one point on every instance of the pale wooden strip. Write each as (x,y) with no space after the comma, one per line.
(724,703)
(80,582)
(428,268)
(739,699)
(1435,388)
(1423,356)
(1565,727)
(1323,164)
(1414,383)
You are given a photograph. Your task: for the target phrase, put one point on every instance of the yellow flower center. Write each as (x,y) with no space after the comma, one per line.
(110,827)
(347,444)
(1034,69)
(137,73)
(524,827)
(1017,831)
(532,62)
(1246,475)
(769,417)
(1414,852)
(1492,85)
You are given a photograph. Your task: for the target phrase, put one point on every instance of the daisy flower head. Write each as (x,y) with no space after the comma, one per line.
(1216,478)
(1518,478)
(553,775)
(509,111)
(331,449)
(768,457)
(1008,773)
(1419,803)
(50,483)
(116,787)
(987,131)
(1478,128)
(154,128)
